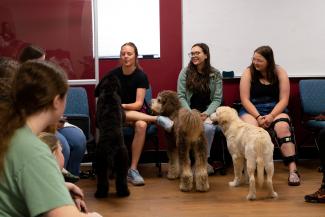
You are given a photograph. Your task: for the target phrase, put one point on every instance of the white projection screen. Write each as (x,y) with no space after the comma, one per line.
(121,21)
(233,29)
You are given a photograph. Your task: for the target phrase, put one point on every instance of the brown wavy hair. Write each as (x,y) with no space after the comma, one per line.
(33,89)
(267,53)
(196,81)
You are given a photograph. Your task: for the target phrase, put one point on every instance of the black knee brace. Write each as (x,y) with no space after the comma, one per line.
(284,139)
(287,160)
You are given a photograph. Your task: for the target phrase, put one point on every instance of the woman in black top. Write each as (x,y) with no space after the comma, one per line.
(264,94)
(134,83)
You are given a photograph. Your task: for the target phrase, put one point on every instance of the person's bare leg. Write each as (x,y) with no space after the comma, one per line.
(136,116)
(162,121)
(288,149)
(138,142)
(137,145)
(249,119)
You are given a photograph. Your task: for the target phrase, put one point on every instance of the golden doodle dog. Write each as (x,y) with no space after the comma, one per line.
(250,143)
(187,135)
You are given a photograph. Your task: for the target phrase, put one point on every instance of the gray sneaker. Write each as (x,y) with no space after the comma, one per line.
(165,123)
(135,178)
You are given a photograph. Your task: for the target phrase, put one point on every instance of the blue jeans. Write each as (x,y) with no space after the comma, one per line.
(262,108)
(209,130)
(73,143)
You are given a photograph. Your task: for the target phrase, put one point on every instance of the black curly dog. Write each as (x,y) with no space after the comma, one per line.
(111,152)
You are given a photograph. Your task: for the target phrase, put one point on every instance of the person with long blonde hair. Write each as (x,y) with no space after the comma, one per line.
(134,83)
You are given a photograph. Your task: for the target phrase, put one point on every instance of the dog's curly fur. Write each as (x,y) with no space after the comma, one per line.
(187,135)
(246,141)
(111,152)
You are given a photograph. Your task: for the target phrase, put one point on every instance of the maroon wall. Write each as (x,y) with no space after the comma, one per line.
(63,28)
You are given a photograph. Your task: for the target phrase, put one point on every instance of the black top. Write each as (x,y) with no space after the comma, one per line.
(262,93)
(200,101)
(130,83)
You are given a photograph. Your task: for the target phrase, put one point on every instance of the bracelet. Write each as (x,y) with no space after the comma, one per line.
(257,116)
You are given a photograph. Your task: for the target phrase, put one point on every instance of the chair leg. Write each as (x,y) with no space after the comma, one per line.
(158,159)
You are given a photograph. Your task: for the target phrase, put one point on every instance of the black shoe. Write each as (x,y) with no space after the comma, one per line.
(317,197)
(69,177)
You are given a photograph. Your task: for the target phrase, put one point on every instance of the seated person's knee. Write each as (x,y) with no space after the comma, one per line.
(283,131)
(140,126)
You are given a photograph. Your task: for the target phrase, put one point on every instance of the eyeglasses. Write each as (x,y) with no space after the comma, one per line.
(254,60)
(192,54)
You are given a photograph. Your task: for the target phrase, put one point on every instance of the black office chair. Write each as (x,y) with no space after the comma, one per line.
(151,140)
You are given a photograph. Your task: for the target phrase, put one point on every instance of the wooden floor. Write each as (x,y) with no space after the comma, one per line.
(161,197)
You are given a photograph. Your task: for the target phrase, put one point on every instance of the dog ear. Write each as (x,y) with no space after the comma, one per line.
(110,84)
(169,102)
(213,117)
(116,85)
(222,115)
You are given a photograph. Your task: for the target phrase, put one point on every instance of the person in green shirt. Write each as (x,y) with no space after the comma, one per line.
(199,86)
(31,183)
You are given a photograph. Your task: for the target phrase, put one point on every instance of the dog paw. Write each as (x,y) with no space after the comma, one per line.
(203,187)
(171,175)
(123,193)
(251,197)
(202,183)
(186,183)
(185,188)
(274,195)
(234,183)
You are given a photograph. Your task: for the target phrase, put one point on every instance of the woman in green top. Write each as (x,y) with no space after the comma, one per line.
(199,87)
(31,183)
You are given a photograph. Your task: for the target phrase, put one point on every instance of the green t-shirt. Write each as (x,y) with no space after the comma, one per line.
(31,182)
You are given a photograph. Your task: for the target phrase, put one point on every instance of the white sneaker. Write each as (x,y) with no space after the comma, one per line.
(165,123)
(135,178)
